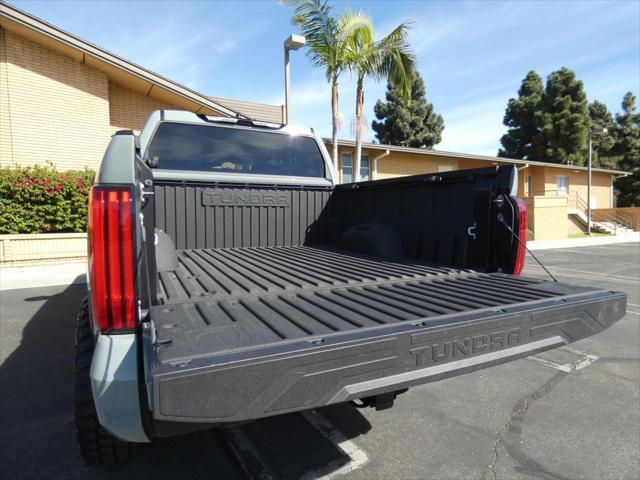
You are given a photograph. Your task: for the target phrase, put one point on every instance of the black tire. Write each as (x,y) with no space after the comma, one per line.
(97,446)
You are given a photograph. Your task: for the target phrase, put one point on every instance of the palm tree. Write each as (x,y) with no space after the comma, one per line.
(388,58)
(328,39)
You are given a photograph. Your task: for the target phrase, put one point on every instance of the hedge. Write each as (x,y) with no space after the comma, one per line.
(43,200)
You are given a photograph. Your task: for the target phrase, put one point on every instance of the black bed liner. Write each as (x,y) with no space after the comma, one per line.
(227,299)
(220,273)
(246,333)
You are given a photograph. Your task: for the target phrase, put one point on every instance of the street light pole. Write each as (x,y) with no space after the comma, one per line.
(595,131)
(589,184)
(287,85)
(294,42)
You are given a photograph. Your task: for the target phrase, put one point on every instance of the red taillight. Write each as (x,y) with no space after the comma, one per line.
(111,264)
(522,232)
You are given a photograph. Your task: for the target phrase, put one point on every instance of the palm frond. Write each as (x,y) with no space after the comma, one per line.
(351,22)
(395,61)
(322,34)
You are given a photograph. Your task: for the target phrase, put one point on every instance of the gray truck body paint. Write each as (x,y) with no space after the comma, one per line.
(149,129)
(159,174)
(148,341)
(114,382)
(118,163)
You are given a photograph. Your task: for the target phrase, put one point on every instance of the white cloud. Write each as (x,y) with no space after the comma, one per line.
(426,36)
(309,93)
(475,128)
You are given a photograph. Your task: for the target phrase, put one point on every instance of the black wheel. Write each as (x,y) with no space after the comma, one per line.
(97,446)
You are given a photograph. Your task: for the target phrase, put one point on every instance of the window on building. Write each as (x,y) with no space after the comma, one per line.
(347,168)
(562,184)
(364,168)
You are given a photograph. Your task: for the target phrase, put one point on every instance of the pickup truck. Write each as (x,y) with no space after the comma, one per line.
(231,278)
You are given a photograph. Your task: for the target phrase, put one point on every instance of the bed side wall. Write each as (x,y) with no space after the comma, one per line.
(443,218)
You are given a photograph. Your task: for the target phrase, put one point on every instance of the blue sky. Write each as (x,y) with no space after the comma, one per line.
(471,54)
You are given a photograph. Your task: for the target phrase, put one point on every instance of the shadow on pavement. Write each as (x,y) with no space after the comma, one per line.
(37,438)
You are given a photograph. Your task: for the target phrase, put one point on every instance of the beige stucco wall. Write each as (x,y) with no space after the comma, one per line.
(544,179)
(547,217)
(401,164)
(575,226)
(600,185)
(538,183)
(53,108)
(545,182)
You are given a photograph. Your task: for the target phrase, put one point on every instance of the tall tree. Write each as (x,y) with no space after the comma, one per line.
(388,58)
(327,39)
(628,148)
(564,120)
(413,124)
(522,118)
(603,144)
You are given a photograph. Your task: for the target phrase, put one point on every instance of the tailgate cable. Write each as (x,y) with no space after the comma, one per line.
(515,235)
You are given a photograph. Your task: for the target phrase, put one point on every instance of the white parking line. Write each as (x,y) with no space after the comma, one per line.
(585,275)
(356,454)
(247,456)
(586,360)
(570,272)
(605,276)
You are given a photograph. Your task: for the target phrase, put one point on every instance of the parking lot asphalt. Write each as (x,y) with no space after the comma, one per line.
(530,418)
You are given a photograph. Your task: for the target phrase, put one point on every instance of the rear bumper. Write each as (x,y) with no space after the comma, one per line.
(245,385)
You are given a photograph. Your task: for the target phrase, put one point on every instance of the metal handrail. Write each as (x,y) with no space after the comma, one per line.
(614,217)
(577,201)
(604,218)
(630,221)
(581,203)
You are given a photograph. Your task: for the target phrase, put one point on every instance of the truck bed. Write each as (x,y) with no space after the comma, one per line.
(268,330)
(220,300)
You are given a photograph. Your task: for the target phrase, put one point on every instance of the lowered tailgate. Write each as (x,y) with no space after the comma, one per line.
(242,356)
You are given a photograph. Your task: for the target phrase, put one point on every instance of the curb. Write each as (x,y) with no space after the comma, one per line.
(583,242)
(37,276)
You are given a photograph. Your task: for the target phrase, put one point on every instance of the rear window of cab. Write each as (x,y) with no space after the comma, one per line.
(232,149)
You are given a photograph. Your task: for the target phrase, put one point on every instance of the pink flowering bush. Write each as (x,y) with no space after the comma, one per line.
(43,200)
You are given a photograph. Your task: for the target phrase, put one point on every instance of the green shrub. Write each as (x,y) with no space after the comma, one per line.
(43,200)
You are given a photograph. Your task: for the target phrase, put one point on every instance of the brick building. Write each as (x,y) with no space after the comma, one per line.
(556,194)
(534,178)
(61,99)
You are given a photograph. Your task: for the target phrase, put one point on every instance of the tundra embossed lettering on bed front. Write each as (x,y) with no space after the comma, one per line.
(466,346)
(244,198)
